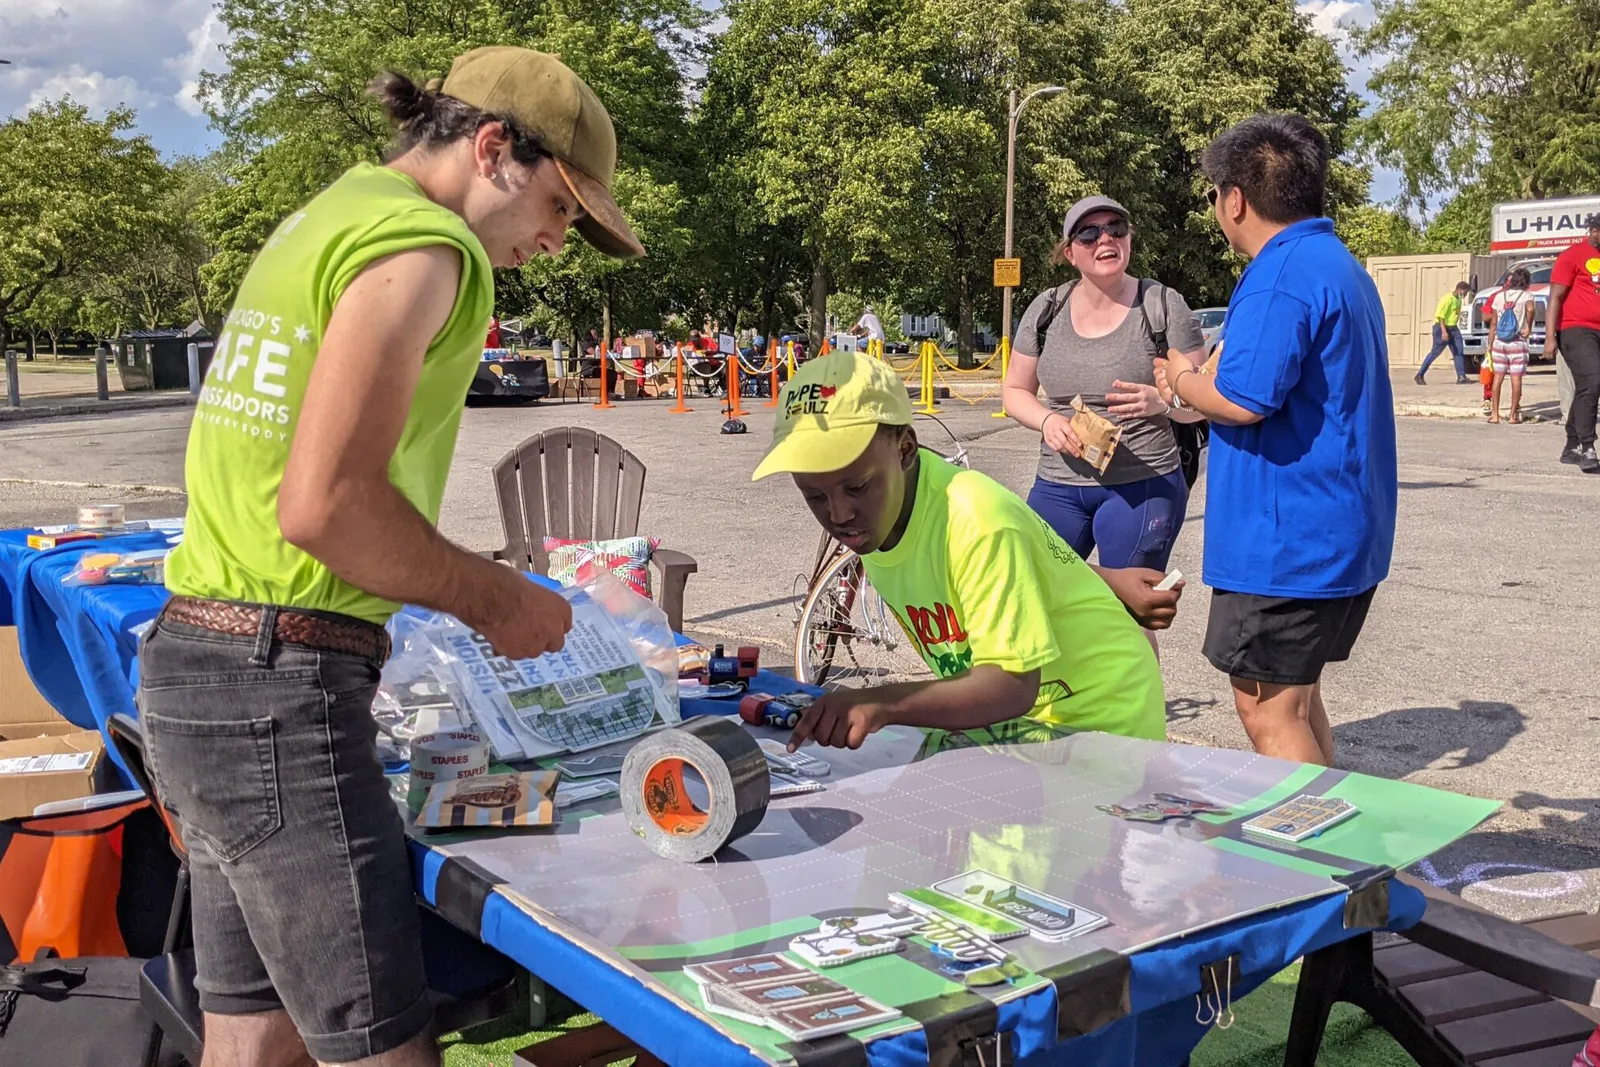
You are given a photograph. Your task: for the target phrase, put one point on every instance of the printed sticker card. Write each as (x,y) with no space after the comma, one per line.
(1045,917)
(1304,816)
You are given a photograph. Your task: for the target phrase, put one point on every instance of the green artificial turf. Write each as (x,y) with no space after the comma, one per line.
(1256,1039)
(1261,1029)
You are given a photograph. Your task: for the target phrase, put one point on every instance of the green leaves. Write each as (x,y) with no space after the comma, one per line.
(77,192)
(1504,93)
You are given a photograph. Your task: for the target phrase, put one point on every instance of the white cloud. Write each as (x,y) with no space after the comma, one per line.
(92,88)
(104,52)
(1332,18)
(205,53)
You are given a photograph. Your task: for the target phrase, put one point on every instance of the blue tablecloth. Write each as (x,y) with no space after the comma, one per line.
(77,641)
(78,649)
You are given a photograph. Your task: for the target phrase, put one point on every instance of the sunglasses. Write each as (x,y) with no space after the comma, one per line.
(1089,236)
(1212,194)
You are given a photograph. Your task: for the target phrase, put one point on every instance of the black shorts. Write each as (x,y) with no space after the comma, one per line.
(1282,640)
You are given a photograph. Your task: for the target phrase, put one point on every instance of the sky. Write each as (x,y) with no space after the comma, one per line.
(149,54)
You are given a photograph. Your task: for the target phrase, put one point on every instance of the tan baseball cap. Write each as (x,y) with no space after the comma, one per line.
(543,97)
(829,413)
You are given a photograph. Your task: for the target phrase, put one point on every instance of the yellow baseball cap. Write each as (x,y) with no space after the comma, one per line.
(829,413)
(543,96)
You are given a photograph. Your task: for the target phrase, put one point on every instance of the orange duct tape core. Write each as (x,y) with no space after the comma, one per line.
(667,802)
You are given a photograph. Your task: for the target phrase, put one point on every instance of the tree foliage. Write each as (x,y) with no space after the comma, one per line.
(76,192)
(1499,93)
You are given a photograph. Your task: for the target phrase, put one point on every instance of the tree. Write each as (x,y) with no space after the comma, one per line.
(1373,230)
(76,191)
(1462,225)
(1201,66)
(1503,92)
(829,129)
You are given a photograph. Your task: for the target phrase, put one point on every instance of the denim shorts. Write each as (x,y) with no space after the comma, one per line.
(265,752)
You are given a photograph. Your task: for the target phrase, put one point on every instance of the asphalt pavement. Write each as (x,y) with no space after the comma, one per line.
(1477,671)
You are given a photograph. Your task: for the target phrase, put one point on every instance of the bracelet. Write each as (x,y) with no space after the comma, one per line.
(1178,401)
(1045,420)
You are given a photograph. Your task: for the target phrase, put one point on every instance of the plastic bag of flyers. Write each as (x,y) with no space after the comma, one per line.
(615,677)
(417,693)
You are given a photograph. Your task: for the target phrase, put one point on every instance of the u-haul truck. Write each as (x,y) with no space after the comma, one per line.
(1536,231)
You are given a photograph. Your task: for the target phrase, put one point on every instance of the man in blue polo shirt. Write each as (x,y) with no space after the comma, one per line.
(1300,507)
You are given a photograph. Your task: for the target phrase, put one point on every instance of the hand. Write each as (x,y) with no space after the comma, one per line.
(839,720)
(522,619)
(1134,586)
(1060,436)
(1131,400)
(1167,371)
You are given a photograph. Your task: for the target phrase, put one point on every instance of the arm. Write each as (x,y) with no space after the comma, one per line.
(1552,318)
(1135,587)
(1199,391)
(1020,398)
(980,697)
(336,502)
(1135,400)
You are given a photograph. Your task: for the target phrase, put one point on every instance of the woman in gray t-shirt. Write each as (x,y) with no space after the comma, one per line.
(1100,344)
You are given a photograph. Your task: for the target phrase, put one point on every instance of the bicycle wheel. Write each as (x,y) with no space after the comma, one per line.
(847,635)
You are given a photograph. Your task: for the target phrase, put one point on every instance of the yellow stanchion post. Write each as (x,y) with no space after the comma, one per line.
(735,410)
(680,407)
(772,358)
(790,346)
(927,407)
(1005,363)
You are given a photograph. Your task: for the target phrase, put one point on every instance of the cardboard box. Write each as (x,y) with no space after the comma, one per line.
(23,712)
(37,770)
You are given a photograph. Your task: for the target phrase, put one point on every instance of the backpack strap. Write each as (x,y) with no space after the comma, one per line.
(1153,304)
(1052,307)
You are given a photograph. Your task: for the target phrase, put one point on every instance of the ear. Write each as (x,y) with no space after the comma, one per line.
(1236,204)
(489,147)
(908,447)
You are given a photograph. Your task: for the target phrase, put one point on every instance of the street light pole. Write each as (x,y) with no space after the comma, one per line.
(1015,111)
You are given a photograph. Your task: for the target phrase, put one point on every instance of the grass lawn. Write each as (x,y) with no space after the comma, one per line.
(1256,1039)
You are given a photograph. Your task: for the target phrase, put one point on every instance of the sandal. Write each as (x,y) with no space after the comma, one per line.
(1493,419)
(1516,418)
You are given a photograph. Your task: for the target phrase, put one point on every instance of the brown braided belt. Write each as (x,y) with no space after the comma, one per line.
(352,638)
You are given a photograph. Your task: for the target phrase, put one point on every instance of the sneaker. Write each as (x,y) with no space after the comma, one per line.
(1588,462)
(1462,379)
(1418,380)
(1569,455)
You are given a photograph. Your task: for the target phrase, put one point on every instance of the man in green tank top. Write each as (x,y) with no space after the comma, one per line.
(315,469)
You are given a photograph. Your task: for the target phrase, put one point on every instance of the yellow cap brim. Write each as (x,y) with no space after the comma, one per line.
(812,451)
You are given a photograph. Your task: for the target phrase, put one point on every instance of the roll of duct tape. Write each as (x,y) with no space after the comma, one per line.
(101,517)
(657,800)
(443,757)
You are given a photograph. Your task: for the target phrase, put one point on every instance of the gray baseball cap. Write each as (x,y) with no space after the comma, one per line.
(1088,206)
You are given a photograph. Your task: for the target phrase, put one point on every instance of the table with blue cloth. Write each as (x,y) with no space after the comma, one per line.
(1200,912)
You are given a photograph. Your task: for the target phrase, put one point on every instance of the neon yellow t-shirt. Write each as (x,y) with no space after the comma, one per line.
(239,442)
(1449,309)
(979,578)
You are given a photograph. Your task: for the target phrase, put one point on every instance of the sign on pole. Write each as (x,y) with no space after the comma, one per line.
(1007,273)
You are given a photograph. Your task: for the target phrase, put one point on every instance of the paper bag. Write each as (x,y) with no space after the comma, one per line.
(1098,434)
(499,801)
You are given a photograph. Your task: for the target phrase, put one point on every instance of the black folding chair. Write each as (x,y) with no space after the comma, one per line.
(468,982)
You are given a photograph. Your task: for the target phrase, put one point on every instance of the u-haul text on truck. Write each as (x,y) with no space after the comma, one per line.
(1535,224)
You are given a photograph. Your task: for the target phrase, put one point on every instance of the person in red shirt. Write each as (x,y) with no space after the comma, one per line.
(493,340)
(1573,323)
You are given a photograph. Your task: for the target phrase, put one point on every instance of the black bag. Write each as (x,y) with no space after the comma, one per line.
(1192,437)
(74,1013)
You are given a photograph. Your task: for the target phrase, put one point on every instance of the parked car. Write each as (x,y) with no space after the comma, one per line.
(1477,330)
(1210,324)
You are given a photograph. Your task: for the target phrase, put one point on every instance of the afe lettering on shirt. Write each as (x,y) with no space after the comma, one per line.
(245,386)
(931,627)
